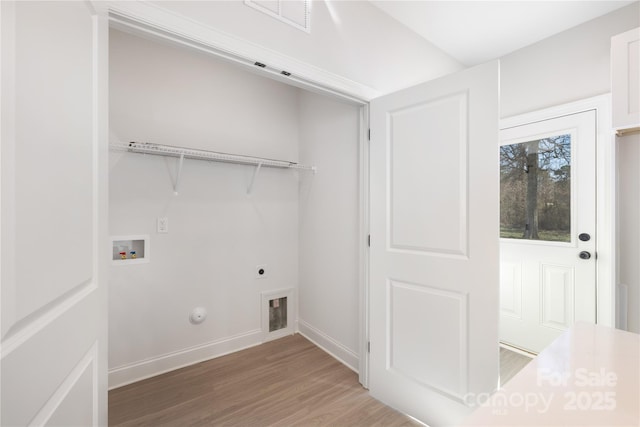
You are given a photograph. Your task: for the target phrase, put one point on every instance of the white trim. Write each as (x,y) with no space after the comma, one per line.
(57,398)
(605,190)
(7,164)
(151,19)
(363,248)
(7,106)
(344,355)
(151,367)
(100,54)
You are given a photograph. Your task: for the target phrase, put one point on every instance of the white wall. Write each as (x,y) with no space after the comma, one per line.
(329,223)
(629,226)
(179,97)
(572,65)
(353,39)
(217,234)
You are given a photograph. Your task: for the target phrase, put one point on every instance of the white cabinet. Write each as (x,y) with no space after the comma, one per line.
(625,79)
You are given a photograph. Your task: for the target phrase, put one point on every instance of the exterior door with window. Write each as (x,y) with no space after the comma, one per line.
(547,229)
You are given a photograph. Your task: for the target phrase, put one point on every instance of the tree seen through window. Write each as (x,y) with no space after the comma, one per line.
(535,189)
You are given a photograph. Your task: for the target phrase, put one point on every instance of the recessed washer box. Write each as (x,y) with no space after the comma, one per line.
(129,250)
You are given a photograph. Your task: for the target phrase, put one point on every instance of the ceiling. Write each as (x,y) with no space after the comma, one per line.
(474,32)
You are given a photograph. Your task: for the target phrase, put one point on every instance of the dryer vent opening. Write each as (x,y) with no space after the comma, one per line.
(277,314)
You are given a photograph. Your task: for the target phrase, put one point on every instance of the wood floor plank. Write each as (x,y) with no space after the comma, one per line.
(510,364)
(288,382)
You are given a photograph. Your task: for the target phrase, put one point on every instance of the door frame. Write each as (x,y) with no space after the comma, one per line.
(605,193)
(147,20)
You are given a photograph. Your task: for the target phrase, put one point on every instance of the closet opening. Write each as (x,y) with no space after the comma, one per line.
(215,225)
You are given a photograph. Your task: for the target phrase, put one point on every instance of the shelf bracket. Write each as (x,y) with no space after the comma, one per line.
(253,178)
(175,187)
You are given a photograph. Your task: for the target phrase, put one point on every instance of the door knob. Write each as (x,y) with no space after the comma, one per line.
(584,255)
(584,237)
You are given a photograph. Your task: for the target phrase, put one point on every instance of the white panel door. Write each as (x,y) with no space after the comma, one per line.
(434,245)
(53,293)
(547,227)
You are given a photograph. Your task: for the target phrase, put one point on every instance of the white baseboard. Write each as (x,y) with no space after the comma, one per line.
(347,357)
(132,372)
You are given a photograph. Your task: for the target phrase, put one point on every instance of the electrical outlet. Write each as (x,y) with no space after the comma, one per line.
(163,224)
(261,271)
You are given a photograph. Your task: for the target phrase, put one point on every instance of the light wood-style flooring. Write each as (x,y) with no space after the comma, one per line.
(510,364)
(287,382)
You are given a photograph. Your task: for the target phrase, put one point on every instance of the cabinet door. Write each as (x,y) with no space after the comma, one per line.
(625,79)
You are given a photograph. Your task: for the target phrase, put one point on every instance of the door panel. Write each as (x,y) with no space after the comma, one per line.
(557,296)
(558,287)
(415,159)
(444,370)
(77,407)
(64,114)
(511,289)
(35,368)
(434,259)
(53,217)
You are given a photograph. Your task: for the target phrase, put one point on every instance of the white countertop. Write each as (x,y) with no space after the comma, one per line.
(589,376)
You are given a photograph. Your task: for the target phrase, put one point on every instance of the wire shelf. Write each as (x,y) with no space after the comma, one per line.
(213,156)
(190,153)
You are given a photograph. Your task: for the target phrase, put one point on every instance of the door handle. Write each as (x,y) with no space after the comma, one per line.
(584,255)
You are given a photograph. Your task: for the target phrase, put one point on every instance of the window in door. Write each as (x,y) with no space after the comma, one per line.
(535,189)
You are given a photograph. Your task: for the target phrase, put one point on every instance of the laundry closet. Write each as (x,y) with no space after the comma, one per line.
(219,245)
